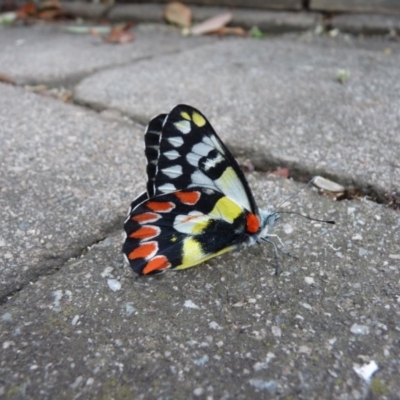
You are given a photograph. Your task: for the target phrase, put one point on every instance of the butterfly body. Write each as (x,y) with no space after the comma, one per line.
(197,205)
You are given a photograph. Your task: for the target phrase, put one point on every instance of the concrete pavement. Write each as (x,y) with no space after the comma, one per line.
(77,323)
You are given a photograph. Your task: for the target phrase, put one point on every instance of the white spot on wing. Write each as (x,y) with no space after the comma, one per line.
(231,186)
(215,142)
(183,126)
(173,171)
(193,159)
(167,187)
(212,162)
(201,149)
(176,141)
(192,223)
(199,179)
(171,155)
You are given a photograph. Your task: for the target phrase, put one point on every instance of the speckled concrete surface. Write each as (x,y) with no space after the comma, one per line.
(76,323)
(283,96)
(49,55)
(64,173)
(226,329)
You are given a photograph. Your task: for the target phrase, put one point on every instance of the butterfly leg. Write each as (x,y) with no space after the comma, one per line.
(285,250)
(277,263)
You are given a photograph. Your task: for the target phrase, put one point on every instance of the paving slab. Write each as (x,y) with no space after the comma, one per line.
(77,323)
(64,178)
(267,21)
(45,54)
(372,6)
(226,329)
(376,24)
(279,101)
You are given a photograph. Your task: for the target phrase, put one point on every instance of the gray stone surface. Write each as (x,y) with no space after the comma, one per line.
(46,54)
(79,9)
(267,21)
(283,97)
(76,323)
(226,329)
(371,6)
(367,24)
(137,12)
(64,173)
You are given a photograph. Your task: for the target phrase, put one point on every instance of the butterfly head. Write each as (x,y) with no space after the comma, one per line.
(266,220)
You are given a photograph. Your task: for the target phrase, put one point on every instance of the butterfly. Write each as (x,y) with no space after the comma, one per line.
(197,204)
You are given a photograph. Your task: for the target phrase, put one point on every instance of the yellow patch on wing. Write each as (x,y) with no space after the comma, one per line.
(193,253)
(185,115)
(226,209)
(232,187)
(198,119)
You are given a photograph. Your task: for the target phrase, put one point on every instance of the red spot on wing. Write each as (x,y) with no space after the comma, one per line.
(252,223)
(160,206)
(190,198)
(157,263)
(145,250)
(146,217)
(145,232)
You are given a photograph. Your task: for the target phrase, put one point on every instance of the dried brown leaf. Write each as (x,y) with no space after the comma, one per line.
(281,172)
(178,14)
(47,10)
(28,10)
(119,34)
(228,30)
(6,79)
(49,14)
(212,24)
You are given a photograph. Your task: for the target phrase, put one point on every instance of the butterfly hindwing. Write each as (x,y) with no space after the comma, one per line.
(169,231)
(152,139)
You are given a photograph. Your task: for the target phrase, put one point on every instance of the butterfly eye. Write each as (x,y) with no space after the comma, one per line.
(271,219)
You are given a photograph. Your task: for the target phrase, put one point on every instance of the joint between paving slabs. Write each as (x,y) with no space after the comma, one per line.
(57,262)
(352,191)
(301,174)
(73,80)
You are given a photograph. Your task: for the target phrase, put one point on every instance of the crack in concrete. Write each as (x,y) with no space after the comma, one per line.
(54,263)
(354,190)
(298,172)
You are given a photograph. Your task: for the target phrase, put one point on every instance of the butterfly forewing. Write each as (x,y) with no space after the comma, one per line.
(191,154)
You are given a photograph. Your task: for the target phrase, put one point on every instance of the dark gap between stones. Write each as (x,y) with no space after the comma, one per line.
(50,269)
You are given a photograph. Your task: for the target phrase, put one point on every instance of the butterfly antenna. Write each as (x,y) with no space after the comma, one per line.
(307,217)
(296,213)
(295,194)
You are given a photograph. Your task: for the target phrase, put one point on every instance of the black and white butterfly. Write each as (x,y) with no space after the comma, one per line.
(198,203)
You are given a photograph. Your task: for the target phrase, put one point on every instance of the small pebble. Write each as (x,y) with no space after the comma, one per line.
(190,304)
(326,184)
(114,284)
(366,371)
(359,329)
(198,391)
